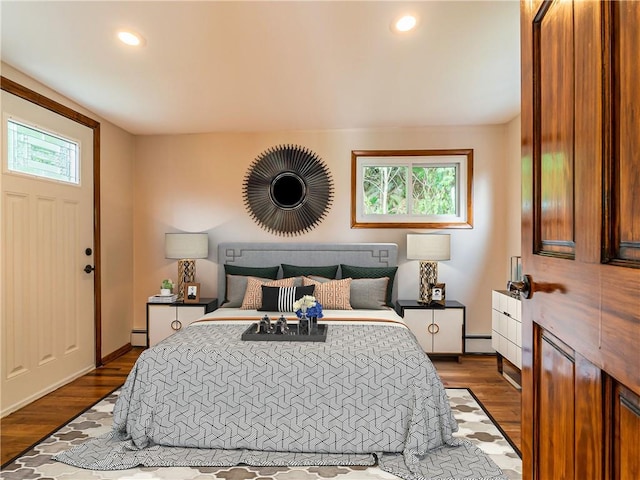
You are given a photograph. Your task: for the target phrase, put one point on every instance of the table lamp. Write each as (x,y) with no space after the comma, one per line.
(186,247)
(428,248)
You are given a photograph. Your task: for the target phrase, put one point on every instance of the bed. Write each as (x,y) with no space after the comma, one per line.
(205,397)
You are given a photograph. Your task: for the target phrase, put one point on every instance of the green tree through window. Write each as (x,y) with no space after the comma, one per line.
(434,190)
(385,190)
(412,188)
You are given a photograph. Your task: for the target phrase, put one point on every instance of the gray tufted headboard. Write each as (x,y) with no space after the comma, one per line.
(307,254)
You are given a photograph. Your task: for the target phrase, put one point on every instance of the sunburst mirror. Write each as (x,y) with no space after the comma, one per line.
(288,190)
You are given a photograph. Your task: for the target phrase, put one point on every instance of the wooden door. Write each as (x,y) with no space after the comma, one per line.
(581,239)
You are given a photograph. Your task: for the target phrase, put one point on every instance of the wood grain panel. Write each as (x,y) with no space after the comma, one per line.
(590,305)
(556,409)
(626,101)
(588,424)
(556,158)
(588,127)
(627,435)
(529,196)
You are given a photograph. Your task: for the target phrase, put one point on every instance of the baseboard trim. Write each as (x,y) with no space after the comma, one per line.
(50,388)
(118,353)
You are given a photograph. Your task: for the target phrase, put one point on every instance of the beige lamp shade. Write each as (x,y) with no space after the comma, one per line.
(428,247)
(186,245)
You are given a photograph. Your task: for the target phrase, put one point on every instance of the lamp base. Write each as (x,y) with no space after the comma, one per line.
(186,274)
(428,278)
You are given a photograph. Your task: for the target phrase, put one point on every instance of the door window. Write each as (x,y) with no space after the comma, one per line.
(33,151)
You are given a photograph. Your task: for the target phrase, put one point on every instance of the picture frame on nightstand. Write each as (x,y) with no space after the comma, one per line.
(191,293)
(438,294)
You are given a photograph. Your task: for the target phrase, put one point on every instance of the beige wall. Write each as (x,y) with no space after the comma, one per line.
(156,184)
(117,153)
(194,183)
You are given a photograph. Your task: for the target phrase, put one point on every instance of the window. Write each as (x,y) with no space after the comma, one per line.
(35,152)
(411,188)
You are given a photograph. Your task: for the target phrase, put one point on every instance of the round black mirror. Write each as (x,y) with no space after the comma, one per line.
(287,190)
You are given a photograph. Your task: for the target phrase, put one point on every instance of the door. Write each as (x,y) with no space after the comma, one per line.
(47,212)
(581,239)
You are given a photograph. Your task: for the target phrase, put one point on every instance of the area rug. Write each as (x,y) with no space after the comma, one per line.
(474,424)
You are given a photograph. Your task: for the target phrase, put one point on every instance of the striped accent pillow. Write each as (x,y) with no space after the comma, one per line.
(280,299)
(253,295)
(332,295)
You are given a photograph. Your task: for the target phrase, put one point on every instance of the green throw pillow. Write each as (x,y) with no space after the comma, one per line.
(327,271)
(262,272)
(372,272)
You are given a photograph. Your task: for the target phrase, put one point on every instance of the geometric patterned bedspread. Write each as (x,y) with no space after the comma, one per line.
(205,397)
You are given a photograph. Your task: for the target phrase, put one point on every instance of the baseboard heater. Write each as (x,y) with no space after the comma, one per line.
(479,344)
(138,338)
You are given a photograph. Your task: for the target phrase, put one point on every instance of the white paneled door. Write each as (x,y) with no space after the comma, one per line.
(47,240)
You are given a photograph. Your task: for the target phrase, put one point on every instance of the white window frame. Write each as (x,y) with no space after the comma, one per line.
(461,159)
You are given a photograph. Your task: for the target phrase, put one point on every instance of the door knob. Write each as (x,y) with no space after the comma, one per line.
(89,268)
(523,287)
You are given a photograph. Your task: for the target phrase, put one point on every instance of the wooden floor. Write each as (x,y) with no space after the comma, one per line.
(30,424)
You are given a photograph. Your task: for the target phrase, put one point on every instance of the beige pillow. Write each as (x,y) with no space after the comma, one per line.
(253,294)
(369,293)
(332,295)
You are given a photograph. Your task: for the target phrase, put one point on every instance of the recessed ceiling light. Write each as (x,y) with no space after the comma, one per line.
(130,38)
(405,23)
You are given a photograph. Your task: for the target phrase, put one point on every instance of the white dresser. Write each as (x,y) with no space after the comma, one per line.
(506,328)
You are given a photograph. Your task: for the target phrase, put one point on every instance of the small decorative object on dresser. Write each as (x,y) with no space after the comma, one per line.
(437,294)
(161,298)
(166,289)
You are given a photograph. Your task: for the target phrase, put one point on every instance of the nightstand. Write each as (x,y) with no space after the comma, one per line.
(439,330)
(165,319)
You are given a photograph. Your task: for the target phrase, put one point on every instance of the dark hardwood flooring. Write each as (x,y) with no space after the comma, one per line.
(28,425)
(499,397)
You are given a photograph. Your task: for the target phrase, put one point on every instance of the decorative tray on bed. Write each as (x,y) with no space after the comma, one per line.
(291,335)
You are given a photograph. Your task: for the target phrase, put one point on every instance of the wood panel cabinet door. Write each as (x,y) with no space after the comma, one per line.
(581,239)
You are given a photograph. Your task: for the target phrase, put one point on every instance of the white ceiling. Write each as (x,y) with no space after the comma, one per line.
(262,66)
